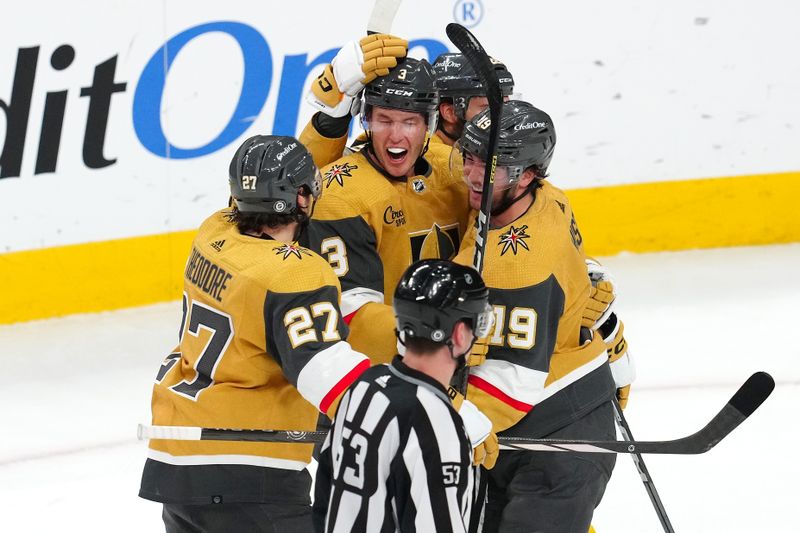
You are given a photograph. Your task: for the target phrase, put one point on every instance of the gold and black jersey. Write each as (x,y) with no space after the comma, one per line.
(262,346)
(541,369)
(371,228)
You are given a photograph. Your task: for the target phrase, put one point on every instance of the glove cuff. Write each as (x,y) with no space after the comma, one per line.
(478,426)
(347,68)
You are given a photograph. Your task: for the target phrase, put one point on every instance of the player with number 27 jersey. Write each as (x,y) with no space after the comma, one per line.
(262,346)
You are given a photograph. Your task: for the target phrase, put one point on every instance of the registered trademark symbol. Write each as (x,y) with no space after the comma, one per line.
(468,13)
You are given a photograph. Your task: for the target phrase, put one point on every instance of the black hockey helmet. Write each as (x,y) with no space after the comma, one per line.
(434,294)
(409,86)
(267,171)
(527,138)
(457,80)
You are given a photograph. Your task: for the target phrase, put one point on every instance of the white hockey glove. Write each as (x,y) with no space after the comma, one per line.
(485,448)
(357,63)
(601,296)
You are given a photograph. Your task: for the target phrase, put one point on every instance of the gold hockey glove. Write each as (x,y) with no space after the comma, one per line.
(477,354)
(380,52)
(356,64)
(601,296)
(622,395)
(326,96)
(486,453)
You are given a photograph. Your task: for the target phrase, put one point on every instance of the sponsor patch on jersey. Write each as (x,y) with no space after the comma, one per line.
(392,216)
(289,250)
(514,238)
(418,185)
(337,173)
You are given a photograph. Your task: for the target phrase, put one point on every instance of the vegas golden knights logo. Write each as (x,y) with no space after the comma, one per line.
(439,242)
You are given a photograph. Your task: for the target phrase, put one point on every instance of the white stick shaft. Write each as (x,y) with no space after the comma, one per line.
(382,16)
(168,432)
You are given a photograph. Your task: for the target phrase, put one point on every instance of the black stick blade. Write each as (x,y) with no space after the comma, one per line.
(473,50)
(752,393)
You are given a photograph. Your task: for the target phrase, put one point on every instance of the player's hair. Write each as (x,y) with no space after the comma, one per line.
(254,222)
(422,346)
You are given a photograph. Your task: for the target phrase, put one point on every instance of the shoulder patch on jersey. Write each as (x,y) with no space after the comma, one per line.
(289,250)
(513,238)
(337,173)
(217,245)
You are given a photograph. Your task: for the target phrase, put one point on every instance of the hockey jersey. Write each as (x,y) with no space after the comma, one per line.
(262,346)
(542,370)
(371,227)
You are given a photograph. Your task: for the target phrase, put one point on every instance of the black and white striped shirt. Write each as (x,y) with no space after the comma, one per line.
(396,459)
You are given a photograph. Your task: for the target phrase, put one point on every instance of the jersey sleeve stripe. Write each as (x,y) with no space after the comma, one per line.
(226,459)
(329,373)
(491,390)
(515,385)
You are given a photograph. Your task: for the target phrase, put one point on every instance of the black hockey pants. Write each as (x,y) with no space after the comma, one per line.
(551,492)
(238,517)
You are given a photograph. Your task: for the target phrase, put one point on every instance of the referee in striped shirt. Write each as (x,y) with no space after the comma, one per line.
(398,456)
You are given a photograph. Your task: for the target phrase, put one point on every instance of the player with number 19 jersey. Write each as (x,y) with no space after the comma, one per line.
(261,323)
(542,371)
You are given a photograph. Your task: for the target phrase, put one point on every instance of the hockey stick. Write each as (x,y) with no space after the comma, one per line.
(741,405)
(482,65)
(649,486)
(382,16)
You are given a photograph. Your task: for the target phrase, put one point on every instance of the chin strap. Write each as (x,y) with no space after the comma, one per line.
(505,203)
(461,360)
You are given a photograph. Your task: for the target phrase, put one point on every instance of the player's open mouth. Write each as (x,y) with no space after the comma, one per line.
(396,154)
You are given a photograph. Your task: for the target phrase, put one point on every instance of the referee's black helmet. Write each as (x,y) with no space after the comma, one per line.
(434,294)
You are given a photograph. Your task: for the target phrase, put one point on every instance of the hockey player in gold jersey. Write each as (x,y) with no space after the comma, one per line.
(544,375)
(386,206)
(462,95)
(326,134)
(262,346)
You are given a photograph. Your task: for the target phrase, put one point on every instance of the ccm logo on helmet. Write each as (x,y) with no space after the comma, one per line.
(399,92)
(280,155)
(530,126)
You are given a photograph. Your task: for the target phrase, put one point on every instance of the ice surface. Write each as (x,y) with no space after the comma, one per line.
(699,323)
